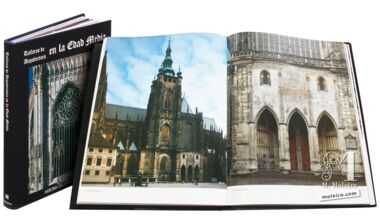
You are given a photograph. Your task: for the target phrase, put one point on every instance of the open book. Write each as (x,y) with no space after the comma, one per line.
(252,119)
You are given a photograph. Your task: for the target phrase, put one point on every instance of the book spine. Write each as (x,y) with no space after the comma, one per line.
(9,130)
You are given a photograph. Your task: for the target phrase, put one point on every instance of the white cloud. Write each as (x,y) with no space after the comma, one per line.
(133,62)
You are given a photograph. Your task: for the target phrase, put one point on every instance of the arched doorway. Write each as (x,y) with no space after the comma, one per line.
(267,141)
(298,144)
(118,169)
(65,131)
(132,165)
(196,173)
(165,169)
(190,173)
(327,137)
(183,173)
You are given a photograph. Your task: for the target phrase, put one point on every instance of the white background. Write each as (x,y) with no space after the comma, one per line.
(355,22)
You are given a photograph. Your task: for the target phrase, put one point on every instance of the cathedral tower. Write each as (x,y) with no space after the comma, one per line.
(163,119)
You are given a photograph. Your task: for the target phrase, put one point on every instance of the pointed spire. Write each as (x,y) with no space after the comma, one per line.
(169,49)
(179,73)
(166,67)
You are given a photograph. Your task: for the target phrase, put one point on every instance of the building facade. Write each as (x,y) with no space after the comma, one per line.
(54,118)
(100,160)
(290,102)
(167,141)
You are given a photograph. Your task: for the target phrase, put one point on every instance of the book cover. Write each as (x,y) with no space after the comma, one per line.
(45,79)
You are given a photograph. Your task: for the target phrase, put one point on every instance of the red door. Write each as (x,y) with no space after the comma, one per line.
(305,153)
(298,144)
(293,153)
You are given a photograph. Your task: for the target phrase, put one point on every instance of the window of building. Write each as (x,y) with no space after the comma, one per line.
(196,157)
(240,46)
(110,151)
(89,161)
(167,100)
(265,78)
(100,150)
(90,149)
(96,172)
(245,44)
(107,173)
(98,161)
(321,84)
(109,161)
(183,156)
(87,172)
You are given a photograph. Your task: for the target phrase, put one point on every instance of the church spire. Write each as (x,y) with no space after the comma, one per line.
(166,67)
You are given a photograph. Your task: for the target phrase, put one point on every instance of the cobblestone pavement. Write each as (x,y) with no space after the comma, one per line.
(165,185)
(293,178)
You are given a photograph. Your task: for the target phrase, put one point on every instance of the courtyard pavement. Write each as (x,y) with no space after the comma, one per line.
(260,178)
(293,178)
(164,185)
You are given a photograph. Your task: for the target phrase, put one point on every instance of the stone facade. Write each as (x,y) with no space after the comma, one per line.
(54,118)
(167,142)
(289,103)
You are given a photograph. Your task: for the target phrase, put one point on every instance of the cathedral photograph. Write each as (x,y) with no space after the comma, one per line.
(293,117)
(56,89)
(159,114)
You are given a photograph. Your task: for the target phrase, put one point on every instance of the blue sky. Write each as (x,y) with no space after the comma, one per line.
(133,62)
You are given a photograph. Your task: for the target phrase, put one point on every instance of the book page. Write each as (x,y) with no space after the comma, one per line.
(294,129)
(157,128)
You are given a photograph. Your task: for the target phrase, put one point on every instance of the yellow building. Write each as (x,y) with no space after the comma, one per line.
(100,160)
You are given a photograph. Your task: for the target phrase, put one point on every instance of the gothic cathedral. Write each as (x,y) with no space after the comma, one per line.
(167,142)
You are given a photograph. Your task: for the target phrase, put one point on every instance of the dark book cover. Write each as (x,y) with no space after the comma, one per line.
(45,79)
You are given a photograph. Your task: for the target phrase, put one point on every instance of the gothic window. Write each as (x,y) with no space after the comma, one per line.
(132,165)
(187,138)
(321,84)
(165,134)
(239,46)
(245,44)
(65,132)
(167,100)
(265,78)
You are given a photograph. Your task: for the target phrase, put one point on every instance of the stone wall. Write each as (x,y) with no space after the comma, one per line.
(287,85)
